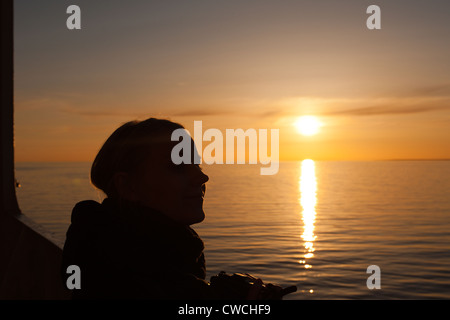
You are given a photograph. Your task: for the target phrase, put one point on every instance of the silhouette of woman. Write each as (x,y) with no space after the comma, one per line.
(138,242)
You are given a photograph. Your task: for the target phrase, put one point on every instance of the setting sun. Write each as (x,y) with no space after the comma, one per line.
(308,125)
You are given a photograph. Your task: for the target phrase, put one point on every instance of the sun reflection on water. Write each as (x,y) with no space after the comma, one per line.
(308,200)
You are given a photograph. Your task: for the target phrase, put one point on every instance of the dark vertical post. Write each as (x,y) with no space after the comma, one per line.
(30,264)
(8,201)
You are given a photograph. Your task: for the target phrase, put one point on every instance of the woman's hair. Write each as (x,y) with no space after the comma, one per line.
(126,148)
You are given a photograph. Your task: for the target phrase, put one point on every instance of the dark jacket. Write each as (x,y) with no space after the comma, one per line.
(128,251)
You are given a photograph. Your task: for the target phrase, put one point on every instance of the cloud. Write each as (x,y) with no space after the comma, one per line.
(200,113)
(442,90)
(417,100)
(391,108)
(420,100)
(424,99)
(188,112)
(102,113)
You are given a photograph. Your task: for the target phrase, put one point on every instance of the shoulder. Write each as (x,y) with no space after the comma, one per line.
(88,222)
(86,210)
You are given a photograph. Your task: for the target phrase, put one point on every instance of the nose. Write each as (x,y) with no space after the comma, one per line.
(203,177)
(200,178)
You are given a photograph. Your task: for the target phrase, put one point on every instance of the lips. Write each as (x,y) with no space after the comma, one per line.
(200,193)
(195,196)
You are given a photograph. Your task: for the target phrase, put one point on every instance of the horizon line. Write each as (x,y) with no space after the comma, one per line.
(349,160)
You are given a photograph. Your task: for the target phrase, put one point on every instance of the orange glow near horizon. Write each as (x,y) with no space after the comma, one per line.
(263,68)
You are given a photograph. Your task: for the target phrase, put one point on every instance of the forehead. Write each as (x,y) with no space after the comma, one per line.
(161,152)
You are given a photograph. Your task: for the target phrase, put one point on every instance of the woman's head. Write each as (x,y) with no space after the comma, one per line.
(135,164)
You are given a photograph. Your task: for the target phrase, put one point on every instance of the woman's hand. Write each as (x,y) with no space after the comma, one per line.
(261,291)
(254,293)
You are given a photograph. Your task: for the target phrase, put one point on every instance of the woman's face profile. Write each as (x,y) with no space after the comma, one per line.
(175,190)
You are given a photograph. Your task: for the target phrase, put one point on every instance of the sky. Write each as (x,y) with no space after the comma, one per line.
(379,94)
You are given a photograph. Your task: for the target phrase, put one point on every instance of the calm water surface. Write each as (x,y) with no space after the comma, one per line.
(317,225)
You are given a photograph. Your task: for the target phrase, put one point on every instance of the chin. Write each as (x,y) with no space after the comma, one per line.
(200,216)
(193,217)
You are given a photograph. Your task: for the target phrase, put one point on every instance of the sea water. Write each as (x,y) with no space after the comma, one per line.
(315,224)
